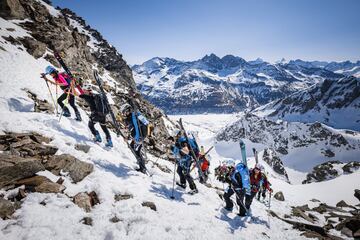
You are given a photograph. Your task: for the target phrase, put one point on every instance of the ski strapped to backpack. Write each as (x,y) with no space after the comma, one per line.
(243,152)
(191,150)
(71,81)
(255,155)
(112,115)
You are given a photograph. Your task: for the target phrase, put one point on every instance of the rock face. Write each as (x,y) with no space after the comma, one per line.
(275,162)
(330,170)
(77,169)
(12,9)
(357,193)
(81,47)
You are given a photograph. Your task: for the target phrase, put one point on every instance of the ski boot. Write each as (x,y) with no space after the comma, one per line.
(109,143)
(78,116)
(193,191)
(229,209)
(181,185)
(66,112)
(97,138)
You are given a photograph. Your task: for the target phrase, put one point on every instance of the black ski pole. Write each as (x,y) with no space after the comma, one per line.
(172,192)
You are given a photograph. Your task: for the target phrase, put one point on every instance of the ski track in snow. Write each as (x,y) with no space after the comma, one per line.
(197,216)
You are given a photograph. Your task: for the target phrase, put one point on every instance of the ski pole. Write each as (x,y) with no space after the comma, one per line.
(57,105)
(172,192)
(52,98)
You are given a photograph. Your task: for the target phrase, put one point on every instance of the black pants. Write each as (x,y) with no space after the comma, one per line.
(139,157)
(94,118)
(261,192)
(184,175)
(239,200)
(71,101)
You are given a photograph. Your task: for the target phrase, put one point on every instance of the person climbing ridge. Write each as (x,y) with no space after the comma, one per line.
(64,81)
(238,179)
(99,110)
(184,160)
(137,125)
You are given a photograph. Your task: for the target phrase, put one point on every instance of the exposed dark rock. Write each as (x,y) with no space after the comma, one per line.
(40,105)
(297,212)
(357,194)
(342,204)
(26,145)
(7,208)
(82,147)
(87,221)
(351,167)
(150,205)
(271,158)
(13,168)
(322,172)
(314,200)
(12,9)
(86,200)
(35,48)
(279,196)
(119,197)
(320,209)
(83,200)
(49,187)
(77,169)
(115,219)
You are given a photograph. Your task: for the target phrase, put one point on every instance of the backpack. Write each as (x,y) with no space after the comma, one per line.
(140,124)
(245,176)
(101,106)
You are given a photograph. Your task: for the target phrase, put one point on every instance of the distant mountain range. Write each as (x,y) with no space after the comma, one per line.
(230,83)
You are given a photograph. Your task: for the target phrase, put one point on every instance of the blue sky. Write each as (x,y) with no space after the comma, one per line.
(189,29)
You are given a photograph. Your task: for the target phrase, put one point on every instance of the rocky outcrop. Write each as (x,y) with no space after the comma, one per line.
(13,168)
(275,162)
(279,196)
(150,205)
(330,170)
(40,105)
(25,154)
(86,200)
(81,47)
(12,9)
(77,169)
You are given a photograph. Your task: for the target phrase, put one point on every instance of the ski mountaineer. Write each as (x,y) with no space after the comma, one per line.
(137,125)
(204,163)
(181,151)
(264,186)
(258,180)
(64,81)
(238,179)
(99,110)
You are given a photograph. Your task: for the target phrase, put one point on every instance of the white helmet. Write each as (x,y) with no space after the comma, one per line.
(125,107)
(259,166)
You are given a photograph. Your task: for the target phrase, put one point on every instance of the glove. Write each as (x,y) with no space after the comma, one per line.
(270,190)
(43,75)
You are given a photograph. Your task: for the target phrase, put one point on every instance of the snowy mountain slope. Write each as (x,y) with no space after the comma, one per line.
(301,146)
(185,217)
(227,84)
(59,218)
(335,103)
